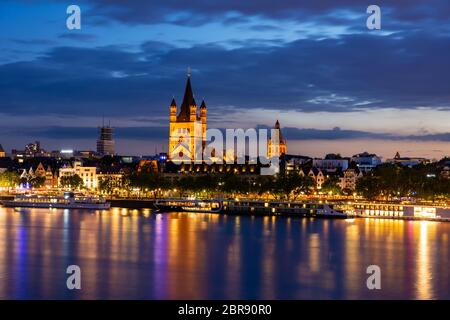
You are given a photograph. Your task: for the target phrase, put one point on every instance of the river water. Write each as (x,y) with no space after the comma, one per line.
(137,254)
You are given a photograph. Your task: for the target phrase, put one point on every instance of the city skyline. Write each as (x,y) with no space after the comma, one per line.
(254,64)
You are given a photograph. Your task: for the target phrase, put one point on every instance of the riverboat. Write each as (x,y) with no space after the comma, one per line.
(68,201)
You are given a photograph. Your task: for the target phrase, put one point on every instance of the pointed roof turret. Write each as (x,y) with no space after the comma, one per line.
(277,126)
(203,105)
(173,103)
(188,100)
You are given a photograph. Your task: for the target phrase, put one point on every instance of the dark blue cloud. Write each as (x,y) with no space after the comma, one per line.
(351,73)
(199,11)
(338,134)
(80,37)
(90,133)
(32,42)
(279,60)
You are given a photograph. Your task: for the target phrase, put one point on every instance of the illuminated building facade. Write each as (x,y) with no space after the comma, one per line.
(331,163)
(40,171)
(150,166)
(274,150)
(366,161)
(114,180)
(407,161)
(349,178)
(186,128)
(87,174)
(317,175)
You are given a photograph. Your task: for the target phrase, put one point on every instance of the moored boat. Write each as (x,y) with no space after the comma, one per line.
(251,207)
(187,205)
(286,208)
(68,201)
(402,211)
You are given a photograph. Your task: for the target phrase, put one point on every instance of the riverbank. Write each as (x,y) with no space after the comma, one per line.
(115,203)
(377,211)
(132,203)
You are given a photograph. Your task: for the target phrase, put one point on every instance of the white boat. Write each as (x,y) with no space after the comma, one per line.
(402,211)
(68,201)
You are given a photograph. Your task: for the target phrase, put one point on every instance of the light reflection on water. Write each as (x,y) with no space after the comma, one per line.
(133,254)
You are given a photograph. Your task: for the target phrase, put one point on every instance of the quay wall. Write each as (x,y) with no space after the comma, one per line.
(132,203)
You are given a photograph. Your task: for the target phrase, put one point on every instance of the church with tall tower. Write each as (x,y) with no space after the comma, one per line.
(187,137)
(187,133)
(278,149)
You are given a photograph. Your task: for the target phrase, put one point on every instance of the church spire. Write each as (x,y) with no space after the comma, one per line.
(188,100)
(277,126)
(173,103)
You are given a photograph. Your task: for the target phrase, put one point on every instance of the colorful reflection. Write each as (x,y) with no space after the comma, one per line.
(131,254)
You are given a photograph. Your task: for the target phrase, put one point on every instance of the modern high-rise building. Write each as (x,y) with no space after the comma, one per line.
(105,143)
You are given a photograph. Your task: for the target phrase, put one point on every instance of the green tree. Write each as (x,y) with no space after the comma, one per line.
(37,182)
(289,185)
(149,181)
(368,186)
(185,184)
(106,185)
(261,185)
(331,185)
(232,184)
(126,184)
(389,180)
(73,182)
(9,179)
(307,184)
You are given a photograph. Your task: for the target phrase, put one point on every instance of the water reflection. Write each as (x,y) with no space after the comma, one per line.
(139,254)
(424,270)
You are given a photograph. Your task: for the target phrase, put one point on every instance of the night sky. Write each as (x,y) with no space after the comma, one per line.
(334,85)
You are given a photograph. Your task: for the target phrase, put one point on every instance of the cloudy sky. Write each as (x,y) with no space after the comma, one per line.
(334,85)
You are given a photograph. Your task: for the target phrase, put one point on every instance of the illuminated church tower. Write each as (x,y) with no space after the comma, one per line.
(277,150)
(187,128)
